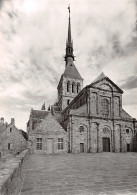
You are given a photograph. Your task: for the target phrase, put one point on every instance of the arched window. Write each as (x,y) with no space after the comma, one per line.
(67,86)
(72,87)
(105,107)
(68,102)
(106,130)
(81,128)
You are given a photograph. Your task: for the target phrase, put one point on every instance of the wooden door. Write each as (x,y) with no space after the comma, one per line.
(128,147)
(106,144)
(81,147)
(49,146)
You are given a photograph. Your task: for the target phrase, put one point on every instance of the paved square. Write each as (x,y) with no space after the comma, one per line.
(81,174)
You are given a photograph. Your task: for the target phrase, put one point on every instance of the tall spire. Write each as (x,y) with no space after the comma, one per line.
(69,29)
(69,43)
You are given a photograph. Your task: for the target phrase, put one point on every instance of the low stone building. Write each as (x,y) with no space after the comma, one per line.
(46,135)
(13,140)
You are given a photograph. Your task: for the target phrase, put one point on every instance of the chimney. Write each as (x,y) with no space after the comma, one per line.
(12,121)
(2,120)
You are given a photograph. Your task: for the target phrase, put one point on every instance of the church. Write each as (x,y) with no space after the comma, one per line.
(83,120)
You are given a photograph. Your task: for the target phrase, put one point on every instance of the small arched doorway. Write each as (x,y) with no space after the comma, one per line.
(128,137)
(80,142)
(106,139)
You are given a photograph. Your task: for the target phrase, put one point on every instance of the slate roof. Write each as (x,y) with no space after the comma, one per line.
(3,127)
(48,124)
(101,76)
(24,134)
(71,71)
(39,113)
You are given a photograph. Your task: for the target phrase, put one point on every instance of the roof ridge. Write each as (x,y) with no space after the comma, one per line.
(101,76)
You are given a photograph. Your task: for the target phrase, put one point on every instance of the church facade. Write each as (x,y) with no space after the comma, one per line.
(92,117)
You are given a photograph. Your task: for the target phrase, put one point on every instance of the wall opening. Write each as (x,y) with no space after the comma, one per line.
(128,147)
(106,144)
(81,147)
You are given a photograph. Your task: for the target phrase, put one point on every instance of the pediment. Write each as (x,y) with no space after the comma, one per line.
(106,84)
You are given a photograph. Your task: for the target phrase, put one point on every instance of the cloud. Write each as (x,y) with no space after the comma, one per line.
(130,83)
(33,36)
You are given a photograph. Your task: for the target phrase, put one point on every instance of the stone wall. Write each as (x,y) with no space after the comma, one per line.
(11,177)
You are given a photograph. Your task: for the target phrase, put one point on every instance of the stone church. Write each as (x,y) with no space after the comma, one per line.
(89,119)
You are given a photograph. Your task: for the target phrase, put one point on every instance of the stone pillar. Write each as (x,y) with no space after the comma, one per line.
(78,87)
(70,87)
(113,136)
(97,137)
(75,87)
(94,147)
(89,136)
(71,135)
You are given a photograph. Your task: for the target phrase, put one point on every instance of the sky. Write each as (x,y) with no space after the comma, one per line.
(32,46)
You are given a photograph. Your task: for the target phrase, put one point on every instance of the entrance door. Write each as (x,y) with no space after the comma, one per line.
(106,144)
(81,147)
(128,147)
(49,146)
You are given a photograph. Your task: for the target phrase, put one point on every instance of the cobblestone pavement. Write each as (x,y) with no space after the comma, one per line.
(81,174)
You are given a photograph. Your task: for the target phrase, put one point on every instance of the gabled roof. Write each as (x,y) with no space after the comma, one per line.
(48,124)
(103,77)
(39,113)
(71,71)
(124,114)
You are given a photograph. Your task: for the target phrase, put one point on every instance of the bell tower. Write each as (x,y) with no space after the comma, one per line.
(71,81)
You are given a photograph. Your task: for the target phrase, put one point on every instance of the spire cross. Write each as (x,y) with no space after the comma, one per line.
(69,10)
